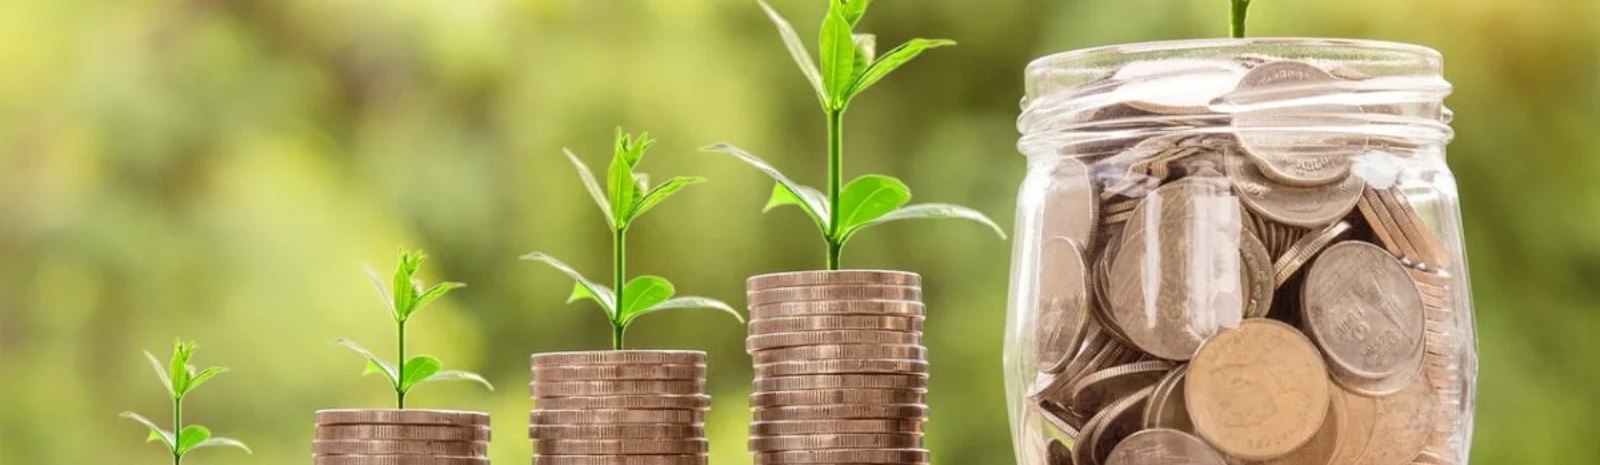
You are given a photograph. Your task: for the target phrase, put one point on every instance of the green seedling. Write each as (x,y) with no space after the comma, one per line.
(1241,8)
(628,195)
(850,65)
(180,378)
(404,300)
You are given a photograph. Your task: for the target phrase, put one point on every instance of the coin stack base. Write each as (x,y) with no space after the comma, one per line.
(624,407)
(841,373)
(401,437)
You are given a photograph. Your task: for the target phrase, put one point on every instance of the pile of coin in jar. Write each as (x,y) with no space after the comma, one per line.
(1253,284)
(841,373)
(619,408)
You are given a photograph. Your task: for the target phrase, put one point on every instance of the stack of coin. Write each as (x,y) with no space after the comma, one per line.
(401,437)
(841,373)
(622,407)
(1249,278)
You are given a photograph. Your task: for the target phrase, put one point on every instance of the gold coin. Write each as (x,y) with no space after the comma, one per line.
(430,448)
(577,417)
(841,367)
(1063,302)
(1403,422)
(1164,447)
(1360,414)
(837,456)
(615,388)
(630,402)
(831,293)
(403,432)
(400,417)
(1363,309)
(812,382)
(618,372)
(851,352)
(1308,207)
(836,441)
(837,307)
(620,460)
(616,432)
(818,278)
(837,396)
(804,427)
(1257,391)
(842,412)
(1322,447)
(398,460)
(620,446)
(620,357)
(910,324)
(812,338)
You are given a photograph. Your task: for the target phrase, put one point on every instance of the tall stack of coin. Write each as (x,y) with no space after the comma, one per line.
(841,373)
(401,437)
(621,407)
(1250,272)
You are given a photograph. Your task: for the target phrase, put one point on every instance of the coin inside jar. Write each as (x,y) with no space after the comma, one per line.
(1063,303)
(1363,309)
(1298,206)
(1164,447)
(1257,391)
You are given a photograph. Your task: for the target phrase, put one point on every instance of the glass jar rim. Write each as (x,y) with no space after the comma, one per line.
(1429,57)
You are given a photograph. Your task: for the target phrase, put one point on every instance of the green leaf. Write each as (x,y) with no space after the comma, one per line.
(660,193)
(383,291)
(178,368)
(797,50)
(593,186)
(621,188)
(417,369)
(929,211)
(893,60)
(432,294)
(190,437)
(405,291)
(600,294)
(792,193)
(156,432)
(374,362)
(641,293)
(870,197)
(161,371)
(458,375)
(202,376)
(223,442)
(837,53)
(693,302)
(853,10)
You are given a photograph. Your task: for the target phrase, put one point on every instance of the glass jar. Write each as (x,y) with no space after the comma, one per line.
(1239,251)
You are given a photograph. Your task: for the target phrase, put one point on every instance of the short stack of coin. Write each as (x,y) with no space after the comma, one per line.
(619,408)
(401,437)
(841,373)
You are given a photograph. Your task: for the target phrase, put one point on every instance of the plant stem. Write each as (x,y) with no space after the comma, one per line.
(1240,9)
(619,266)
(177,428)
(400,370)
(835,168)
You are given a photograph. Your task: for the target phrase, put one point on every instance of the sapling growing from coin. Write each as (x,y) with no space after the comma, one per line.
(180,378)
(627,195)
(849,66)
(405,296)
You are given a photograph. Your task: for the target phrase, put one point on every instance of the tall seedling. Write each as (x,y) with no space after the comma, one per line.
(404,300)
(626,196)
(850,65)
(180,378)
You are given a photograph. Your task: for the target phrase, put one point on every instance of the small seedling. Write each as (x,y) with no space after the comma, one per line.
(180,378)
(628,195)
(1236,23)
(407,297)
(850,65)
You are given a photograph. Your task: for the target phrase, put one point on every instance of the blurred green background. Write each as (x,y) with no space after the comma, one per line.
(222,169)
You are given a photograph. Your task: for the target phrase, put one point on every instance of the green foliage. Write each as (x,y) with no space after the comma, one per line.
(1241,8)
(627,195)
(849,66)
(404,300)
(180,378)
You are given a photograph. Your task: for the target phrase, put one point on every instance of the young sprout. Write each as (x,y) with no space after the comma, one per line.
(627,195)
(408,296)
(1236,25)
(850,65)
(180,378)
